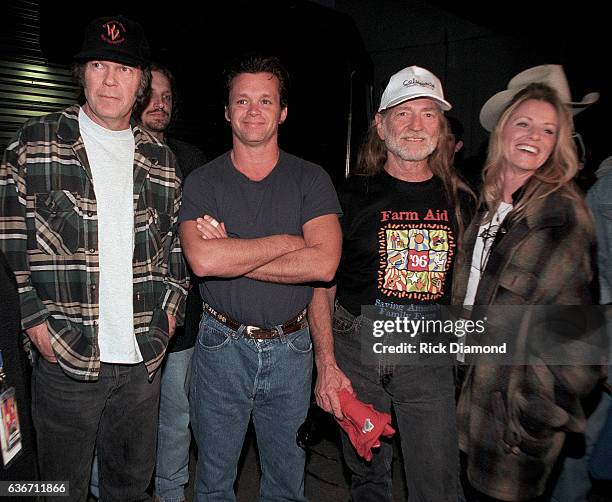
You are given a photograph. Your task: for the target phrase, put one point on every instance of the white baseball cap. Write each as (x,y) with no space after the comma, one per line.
(412,83)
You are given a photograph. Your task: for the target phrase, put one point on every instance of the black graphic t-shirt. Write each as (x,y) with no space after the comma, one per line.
(399,243)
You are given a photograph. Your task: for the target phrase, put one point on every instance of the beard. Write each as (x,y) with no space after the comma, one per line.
(413,152)
(156,124)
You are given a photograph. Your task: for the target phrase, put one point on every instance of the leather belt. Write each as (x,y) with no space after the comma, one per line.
(292,325)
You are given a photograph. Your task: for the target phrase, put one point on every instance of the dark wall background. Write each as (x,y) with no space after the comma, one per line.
(474,47)
(320,47)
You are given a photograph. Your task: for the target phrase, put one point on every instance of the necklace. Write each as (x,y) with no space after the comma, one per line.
(487,233)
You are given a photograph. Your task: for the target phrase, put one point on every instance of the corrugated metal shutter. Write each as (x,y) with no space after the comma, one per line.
(29,87)
(29,90)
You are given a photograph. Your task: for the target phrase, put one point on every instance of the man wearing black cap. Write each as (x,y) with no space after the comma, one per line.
(88,222)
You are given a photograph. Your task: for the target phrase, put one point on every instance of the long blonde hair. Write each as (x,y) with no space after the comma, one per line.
(556,173)
(373,155)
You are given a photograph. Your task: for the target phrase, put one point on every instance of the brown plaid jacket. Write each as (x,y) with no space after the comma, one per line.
(49,234)
(512,419)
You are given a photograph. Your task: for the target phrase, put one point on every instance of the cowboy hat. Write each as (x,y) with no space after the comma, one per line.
(549,74)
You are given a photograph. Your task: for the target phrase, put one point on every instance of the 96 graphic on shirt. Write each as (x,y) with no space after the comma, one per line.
(415,259)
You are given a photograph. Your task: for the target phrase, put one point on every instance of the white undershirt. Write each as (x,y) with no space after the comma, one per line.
(111,158)
(482,250)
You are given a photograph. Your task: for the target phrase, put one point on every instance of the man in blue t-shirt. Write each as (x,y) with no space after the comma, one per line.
(257,224)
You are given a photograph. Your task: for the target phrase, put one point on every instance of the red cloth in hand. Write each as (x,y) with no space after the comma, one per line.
(363,424)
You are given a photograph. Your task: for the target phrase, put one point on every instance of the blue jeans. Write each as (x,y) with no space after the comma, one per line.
(234,378)
(574,483)
(174,436)
(422,398)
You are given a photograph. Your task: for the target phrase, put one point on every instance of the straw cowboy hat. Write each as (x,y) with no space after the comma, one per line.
(549,74)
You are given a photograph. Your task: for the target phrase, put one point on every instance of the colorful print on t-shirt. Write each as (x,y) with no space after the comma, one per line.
(415,254)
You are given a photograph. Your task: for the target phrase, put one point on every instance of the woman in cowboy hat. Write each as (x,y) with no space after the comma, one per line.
(530,244)
(550,74)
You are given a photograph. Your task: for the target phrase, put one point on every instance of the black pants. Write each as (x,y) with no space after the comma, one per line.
(422,398)
(117,414)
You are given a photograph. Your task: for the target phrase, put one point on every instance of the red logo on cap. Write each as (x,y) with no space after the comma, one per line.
(114,32)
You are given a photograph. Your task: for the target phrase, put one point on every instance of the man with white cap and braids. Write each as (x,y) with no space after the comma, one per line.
(88,223)
(402,220)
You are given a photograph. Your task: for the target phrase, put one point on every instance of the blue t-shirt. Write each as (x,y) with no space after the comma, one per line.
(295,192)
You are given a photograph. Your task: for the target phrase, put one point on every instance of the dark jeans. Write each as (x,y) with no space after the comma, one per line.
(117,414)
(423,400)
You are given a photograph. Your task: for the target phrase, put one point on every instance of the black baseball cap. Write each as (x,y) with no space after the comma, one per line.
(116,39)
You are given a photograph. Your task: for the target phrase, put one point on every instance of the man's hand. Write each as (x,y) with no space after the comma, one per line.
(39,335)
(330,380)
(211,251)
(210,228)
(171,324)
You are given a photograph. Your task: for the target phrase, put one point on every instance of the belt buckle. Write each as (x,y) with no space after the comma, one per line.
(250,329)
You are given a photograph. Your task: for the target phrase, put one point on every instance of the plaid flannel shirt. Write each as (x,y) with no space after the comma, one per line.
(49,234)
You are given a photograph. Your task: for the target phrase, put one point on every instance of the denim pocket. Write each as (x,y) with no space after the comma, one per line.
(211,338)
(300,341)
(342,326)
(343,322)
